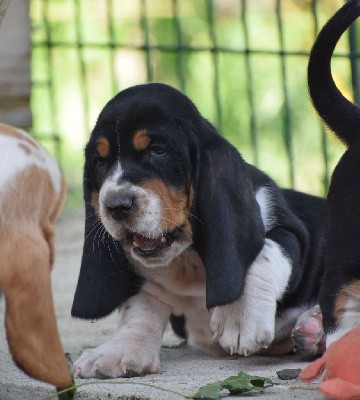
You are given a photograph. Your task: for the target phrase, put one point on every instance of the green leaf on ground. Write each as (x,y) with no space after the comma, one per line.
(211,391)
(241,383)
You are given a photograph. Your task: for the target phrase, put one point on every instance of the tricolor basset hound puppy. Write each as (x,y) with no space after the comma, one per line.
(340,293)
(32,193)
(178,224)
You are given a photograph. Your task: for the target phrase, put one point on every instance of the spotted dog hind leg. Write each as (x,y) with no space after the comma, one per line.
(344,314)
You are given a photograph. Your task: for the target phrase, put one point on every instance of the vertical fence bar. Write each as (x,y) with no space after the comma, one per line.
(179,53)
(82,64)
(112,40)
(254,132)
(287,132)
(145,27)
(216,62)
(324,141)
(50,83)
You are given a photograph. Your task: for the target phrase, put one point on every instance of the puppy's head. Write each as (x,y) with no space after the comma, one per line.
(158,178)
(138,174)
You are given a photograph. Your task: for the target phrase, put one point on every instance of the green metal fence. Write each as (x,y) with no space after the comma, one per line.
(243,63)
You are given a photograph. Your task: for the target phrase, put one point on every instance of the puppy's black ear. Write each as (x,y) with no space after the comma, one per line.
(228,230)
(104,279)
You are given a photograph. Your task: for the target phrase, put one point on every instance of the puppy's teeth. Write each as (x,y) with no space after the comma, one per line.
(163,240)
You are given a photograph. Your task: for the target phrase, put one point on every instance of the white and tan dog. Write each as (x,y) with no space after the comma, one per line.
(32,193)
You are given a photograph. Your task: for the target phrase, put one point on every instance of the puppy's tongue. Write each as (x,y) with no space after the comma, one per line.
(147,244)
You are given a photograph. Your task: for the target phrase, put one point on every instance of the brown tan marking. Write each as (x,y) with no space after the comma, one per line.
(26,255)
(95,201)
(141,140)
(60,202)
(7,130)
(348,292)
(53,216)
(103,147)
(175,204)
(25,148)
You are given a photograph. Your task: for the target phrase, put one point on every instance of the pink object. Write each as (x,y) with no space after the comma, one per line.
(342,363)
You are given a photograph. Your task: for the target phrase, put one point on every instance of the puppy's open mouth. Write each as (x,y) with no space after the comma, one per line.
(150,247)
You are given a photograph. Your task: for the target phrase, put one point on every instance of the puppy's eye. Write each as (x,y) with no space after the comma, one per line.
(99,162)
(157,150)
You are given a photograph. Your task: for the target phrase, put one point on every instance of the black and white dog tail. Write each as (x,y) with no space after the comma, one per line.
(337,112)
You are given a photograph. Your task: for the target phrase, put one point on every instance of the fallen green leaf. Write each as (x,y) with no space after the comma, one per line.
(211,391)
(241,383)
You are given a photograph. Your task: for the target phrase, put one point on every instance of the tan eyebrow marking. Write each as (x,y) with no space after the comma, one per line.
(141,140)
(102,146)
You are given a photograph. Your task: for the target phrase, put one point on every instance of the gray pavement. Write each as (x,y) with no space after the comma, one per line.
(184,370)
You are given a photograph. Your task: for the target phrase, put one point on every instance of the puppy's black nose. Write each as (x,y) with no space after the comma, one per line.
(119,205)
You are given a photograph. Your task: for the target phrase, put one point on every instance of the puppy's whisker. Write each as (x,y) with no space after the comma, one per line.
(110,252)
(97,236)
(92,206)
(104,236)
(93,223)
(94,239)
(114,273)
(92,215)
(186,212)
(89,232)
(116,243)
(101,236)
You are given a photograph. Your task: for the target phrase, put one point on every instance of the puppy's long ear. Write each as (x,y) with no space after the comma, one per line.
(104,274)
(229,232)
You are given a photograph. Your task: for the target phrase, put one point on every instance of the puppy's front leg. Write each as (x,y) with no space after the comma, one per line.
(248,324)
(135,347)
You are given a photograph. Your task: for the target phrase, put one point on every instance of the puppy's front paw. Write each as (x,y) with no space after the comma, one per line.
(225,326)
(256,334)
(117,358)
(242,329)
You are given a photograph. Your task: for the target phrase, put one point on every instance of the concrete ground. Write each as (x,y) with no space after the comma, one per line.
(183,370)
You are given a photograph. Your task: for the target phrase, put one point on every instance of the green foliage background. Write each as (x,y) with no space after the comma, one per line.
(84,51)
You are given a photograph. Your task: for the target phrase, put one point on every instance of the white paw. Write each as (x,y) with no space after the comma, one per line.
(225,326)
(247,325)
(257,333)
(117,358)
(240,328)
